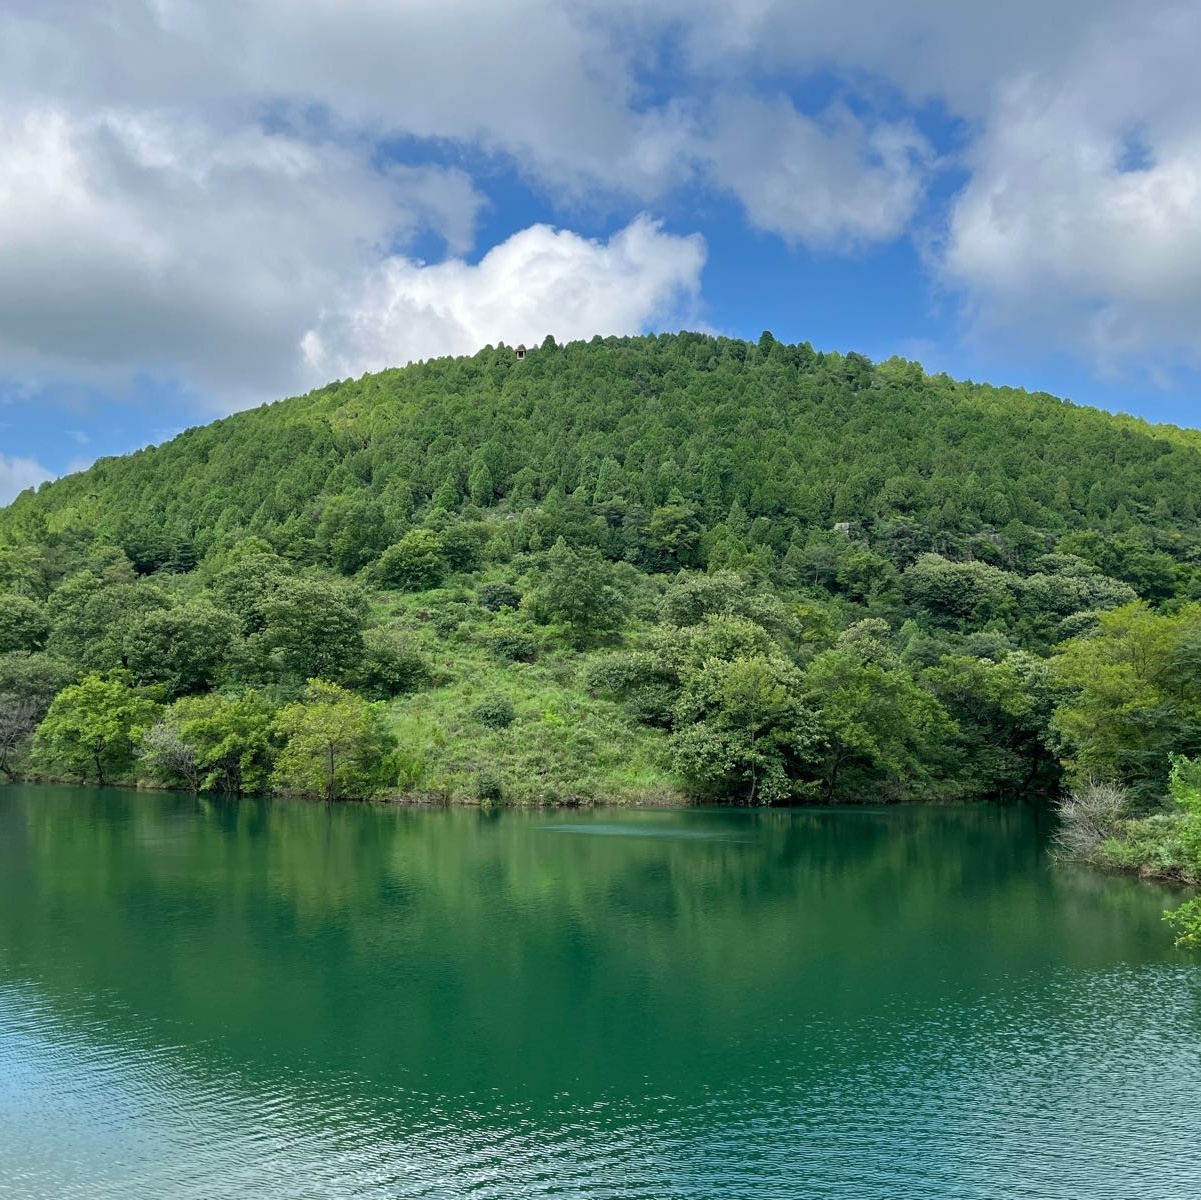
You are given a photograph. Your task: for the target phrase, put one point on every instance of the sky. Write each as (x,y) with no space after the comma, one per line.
(208,204)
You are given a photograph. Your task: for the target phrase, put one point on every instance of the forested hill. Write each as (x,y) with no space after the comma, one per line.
(791,440)
(624,568)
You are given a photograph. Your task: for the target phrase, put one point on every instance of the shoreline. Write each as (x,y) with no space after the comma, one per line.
(439,800)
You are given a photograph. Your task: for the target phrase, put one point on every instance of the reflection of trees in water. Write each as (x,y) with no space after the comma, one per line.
(598,948)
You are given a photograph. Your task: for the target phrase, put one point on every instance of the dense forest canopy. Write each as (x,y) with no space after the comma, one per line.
(627,568)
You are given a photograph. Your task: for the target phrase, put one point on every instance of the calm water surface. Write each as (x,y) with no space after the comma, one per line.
(211,1000)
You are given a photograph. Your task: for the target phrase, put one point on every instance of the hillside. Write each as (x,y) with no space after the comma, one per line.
(628,568)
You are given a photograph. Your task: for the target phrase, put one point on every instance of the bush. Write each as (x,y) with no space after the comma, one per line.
(496,712)
(512,645)
(646,684)
(413,564)
(392,664)
(1151,846)
(489,788)
(495,596)
(1091,815)
(448,619)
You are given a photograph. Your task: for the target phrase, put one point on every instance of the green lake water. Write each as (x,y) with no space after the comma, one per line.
(215,1000)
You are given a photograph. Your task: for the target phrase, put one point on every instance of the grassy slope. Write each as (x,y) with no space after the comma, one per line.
(563,746)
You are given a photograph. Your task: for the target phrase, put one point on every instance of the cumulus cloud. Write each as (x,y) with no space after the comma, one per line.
(125,241)
(833,181)
(1082,217)
(17,474)
(539,281)
(197,188)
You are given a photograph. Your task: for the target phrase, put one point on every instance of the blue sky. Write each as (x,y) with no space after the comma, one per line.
(205,204)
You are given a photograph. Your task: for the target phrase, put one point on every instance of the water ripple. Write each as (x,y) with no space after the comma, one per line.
(1102,1103)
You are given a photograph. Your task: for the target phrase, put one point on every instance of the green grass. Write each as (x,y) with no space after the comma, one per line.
(563,746)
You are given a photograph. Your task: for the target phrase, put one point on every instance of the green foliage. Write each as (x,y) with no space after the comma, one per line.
(659,440)
(232,740)
(895,554)
(480,485)
(23,570)
(23,623)
(740,728)
(336,745)
(496,711)
(580,590)
(38,677)
(1001,712)
(489,788)
(92,728)
(250,579)
(1184,785)
(973,592)
(189,648)
(92,617)
(883,733)
(462,544)
(392,664)
(513,644)
(414,563)
(647,682)
(1133,696)
(353,531)
(1187,921)
(1165,845)
(497,596)
(313,627)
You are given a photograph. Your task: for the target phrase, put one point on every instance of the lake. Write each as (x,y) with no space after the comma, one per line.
(211,999)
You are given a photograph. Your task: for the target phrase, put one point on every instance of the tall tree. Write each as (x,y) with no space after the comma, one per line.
(336,745)
(92,728)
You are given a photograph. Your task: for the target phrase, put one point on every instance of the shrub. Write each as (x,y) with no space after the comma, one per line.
(489,788)
(392,664)
(495,711)
(1090,815)
(413,564)
(514,646)
(448,619)
(495,596)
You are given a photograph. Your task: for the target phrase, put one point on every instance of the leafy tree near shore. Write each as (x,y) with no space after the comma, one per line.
(217,743)
(92,728)
(336,745)
(1133,696)
(1185,786)
(742,728)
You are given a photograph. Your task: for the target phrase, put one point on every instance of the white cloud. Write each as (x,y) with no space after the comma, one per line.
(832,182)
(188,186)
(127,243)
(1081,222)
(17,474)
(539,281)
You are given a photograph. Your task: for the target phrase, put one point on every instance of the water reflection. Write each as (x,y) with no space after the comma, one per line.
(225,998)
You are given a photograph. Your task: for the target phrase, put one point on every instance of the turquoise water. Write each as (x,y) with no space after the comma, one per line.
(212,1000)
